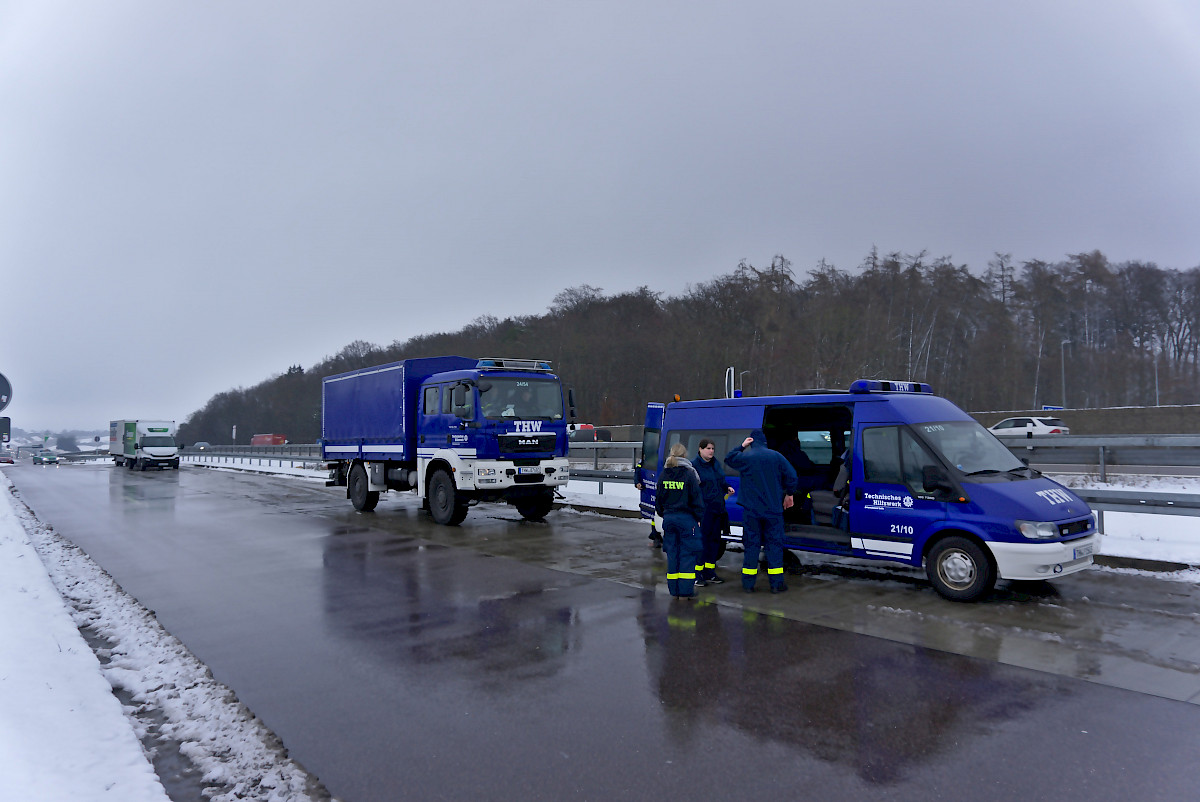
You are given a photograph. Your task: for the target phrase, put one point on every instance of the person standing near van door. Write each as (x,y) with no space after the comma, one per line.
(679,502)
(768,481)
(714,488)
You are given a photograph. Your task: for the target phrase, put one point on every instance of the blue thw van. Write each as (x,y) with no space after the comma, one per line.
(889,471)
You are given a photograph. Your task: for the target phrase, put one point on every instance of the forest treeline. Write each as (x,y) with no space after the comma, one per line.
(1121,334)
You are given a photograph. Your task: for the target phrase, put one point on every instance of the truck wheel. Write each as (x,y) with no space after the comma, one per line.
(364,500)
(444,504)
(141,465)
(537,507)
(959,569)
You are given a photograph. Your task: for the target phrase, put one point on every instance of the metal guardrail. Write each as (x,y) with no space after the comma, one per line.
(1141,501)
(607,453)
(306,454)
(599,455)
(1161,452)
(596,461)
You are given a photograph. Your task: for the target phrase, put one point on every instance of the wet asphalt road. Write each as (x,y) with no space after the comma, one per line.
(508,660)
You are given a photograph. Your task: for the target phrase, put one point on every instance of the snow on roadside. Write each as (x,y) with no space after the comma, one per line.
(63,734)
(1146,536)
(234,751)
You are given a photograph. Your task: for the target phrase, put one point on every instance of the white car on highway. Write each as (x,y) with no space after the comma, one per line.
(1020,427)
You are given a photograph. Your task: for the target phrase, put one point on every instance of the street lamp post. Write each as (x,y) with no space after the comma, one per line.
(1156,380)
(1063,360)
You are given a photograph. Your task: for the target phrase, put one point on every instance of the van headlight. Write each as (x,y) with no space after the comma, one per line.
(1037,530)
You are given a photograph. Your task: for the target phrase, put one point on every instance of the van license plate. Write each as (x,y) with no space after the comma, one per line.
(1083,551)
(528,469)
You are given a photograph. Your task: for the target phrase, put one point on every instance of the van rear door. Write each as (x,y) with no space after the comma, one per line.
(647,468)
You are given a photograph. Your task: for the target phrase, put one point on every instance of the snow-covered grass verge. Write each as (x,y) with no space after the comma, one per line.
(1145,536)
(63,735)
(237,756)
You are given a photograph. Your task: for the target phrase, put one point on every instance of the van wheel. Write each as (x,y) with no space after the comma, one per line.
(959,569)
(444,504)
(364,500)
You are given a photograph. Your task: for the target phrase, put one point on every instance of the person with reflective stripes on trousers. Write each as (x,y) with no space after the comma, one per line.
(713,487)
(679,502)
(768,481)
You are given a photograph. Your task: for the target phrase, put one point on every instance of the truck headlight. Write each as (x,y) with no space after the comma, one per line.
(485,471)
(1037,530)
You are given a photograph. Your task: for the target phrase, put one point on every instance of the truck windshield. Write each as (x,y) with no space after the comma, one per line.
(511,397)
(969,447)
(158,441)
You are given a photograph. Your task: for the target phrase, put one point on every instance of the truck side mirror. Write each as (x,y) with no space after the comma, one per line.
(571,403)
(458,397)
(933,478)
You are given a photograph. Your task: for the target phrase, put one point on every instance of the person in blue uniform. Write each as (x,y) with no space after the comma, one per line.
(713,488)
(768,481)
(679,502)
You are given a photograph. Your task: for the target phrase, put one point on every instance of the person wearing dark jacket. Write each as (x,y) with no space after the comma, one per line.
(768,481)
(679,503)
(713,488)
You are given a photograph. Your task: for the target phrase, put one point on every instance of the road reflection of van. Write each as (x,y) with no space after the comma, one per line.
(888,471)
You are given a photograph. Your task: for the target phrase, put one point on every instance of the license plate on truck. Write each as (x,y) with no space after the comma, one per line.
(528,469)
(1084,551)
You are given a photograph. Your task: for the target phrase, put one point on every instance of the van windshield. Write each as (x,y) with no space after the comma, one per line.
(521,398)
(969,447)
(158,441)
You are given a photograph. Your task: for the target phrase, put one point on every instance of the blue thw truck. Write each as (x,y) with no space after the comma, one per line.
(889,471)
(455,430)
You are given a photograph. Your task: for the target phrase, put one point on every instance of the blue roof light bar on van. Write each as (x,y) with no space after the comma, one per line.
(513,364)
(882,386)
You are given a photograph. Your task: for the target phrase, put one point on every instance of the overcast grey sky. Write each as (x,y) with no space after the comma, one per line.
(196,195)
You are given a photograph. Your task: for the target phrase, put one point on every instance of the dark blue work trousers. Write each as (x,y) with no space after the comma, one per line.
(681,542)
(762,532)
(714,524)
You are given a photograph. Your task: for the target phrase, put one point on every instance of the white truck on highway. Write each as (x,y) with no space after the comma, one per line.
(143,444)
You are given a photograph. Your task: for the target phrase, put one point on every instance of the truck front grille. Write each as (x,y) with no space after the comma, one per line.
(526,443)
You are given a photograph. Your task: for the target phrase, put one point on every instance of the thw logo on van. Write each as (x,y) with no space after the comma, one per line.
(527,426)
(1055,496)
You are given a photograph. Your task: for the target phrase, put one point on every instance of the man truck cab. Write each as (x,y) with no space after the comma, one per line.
(888,471)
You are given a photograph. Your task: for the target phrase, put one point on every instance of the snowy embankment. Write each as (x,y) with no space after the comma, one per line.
(1146,536)
(64,734)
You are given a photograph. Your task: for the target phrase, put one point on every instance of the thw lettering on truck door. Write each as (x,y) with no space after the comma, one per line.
(527,426)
